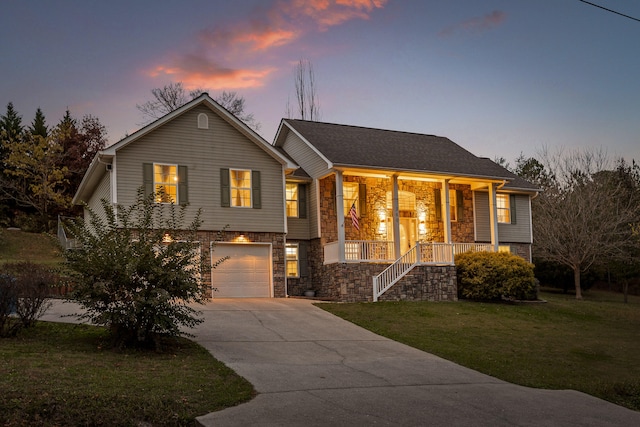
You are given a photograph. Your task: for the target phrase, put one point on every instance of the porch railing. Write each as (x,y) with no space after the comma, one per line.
(65,241)
(360,251)
(396,271)
(422,254)
(382,251)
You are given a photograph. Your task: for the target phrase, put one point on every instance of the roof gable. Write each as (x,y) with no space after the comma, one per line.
(97,169)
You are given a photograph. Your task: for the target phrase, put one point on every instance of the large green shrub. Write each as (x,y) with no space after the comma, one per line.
(494,275)
(138,271)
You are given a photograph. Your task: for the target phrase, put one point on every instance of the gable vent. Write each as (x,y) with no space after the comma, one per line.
(203,121)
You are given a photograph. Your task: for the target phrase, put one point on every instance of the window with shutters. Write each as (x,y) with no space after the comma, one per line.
(292,197)
(292,259)
(350,193)
(240,185)
(504,208)
(165,183)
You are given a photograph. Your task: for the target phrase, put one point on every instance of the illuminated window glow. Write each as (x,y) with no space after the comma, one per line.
(240,188)
(165,183)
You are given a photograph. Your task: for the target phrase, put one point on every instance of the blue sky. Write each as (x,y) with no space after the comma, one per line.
(498,77)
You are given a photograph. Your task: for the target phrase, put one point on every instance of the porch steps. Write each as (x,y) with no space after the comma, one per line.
(396,271)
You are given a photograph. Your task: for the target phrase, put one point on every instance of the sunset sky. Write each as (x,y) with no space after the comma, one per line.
(499,77)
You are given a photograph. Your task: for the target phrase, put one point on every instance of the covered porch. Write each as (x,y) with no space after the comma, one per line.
(396,212)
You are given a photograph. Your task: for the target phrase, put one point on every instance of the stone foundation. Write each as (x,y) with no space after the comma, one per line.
(354,283)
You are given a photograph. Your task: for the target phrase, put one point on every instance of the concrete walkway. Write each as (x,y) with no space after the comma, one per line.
(311,368)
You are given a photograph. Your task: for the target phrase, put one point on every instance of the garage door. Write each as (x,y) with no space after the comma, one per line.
(247,272)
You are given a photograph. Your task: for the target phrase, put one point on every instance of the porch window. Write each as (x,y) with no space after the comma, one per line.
(240,188)
(292,200)
(504,208)
(453,205)
(350,193)
(292,260)
(165,183)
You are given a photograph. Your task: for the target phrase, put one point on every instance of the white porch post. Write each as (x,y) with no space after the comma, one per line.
(396,218)
(493,217)
(340,208)
(447,211)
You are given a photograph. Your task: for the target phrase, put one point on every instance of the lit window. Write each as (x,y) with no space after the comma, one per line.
(240,188)
(453,205)
(165,183)
(504,248)
(292,260)
(503,208)
(350,193)
(292,200)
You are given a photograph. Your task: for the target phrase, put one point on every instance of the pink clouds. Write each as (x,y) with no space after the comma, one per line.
(284,23)
(481,23)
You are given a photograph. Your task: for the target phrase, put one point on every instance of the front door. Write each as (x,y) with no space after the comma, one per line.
(408,233)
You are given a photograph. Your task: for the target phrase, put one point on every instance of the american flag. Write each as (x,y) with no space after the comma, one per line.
(354,216)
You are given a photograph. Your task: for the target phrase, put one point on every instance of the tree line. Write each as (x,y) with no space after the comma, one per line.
(41,166)
(586,219)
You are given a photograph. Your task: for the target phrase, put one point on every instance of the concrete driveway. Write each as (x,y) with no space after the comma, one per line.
(311,368)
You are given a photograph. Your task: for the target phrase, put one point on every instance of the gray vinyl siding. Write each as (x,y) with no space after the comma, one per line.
(205,152)
(103,191)
(308,159)
(520,232)
(298,228)
(315,166)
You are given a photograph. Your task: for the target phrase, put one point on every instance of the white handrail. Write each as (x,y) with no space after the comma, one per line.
(396,271)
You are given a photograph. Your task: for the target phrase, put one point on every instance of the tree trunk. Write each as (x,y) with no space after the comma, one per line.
(625,290)
(576,281)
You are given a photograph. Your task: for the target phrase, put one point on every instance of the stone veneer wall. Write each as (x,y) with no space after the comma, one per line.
(277,253)
(353,282)
(425,283)
(521,249)
(462,229)
(376,202)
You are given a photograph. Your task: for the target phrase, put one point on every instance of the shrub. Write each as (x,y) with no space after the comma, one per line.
(494,275)
(137,273)
(25,289)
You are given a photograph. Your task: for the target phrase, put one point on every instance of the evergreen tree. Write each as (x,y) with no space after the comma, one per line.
(39,125)
(11,123)
(10,130)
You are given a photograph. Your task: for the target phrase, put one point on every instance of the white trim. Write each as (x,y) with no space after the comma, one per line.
(286,260)
(299,135)
(176,183)
(231,187)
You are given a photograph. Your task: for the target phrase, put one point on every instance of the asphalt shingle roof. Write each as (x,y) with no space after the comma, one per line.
(355,146)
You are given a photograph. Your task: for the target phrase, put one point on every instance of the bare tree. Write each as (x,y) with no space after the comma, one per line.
(174,95)
(584,214)
(308,107)
(235,104)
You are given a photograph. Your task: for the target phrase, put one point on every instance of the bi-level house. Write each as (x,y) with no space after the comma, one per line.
(355,214)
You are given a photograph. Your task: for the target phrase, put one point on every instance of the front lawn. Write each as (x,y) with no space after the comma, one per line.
(63,374)
(592,345)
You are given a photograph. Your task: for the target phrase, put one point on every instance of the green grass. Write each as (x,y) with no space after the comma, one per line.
(592,345)
(61,374)
(64,374)
(18,246)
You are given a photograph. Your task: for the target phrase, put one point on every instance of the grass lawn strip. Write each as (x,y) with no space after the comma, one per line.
(590,345)
(62,374)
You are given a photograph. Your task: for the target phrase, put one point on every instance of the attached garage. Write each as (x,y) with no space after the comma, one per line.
(245,274)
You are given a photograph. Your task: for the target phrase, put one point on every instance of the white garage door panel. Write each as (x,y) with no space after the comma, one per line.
(247,272)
